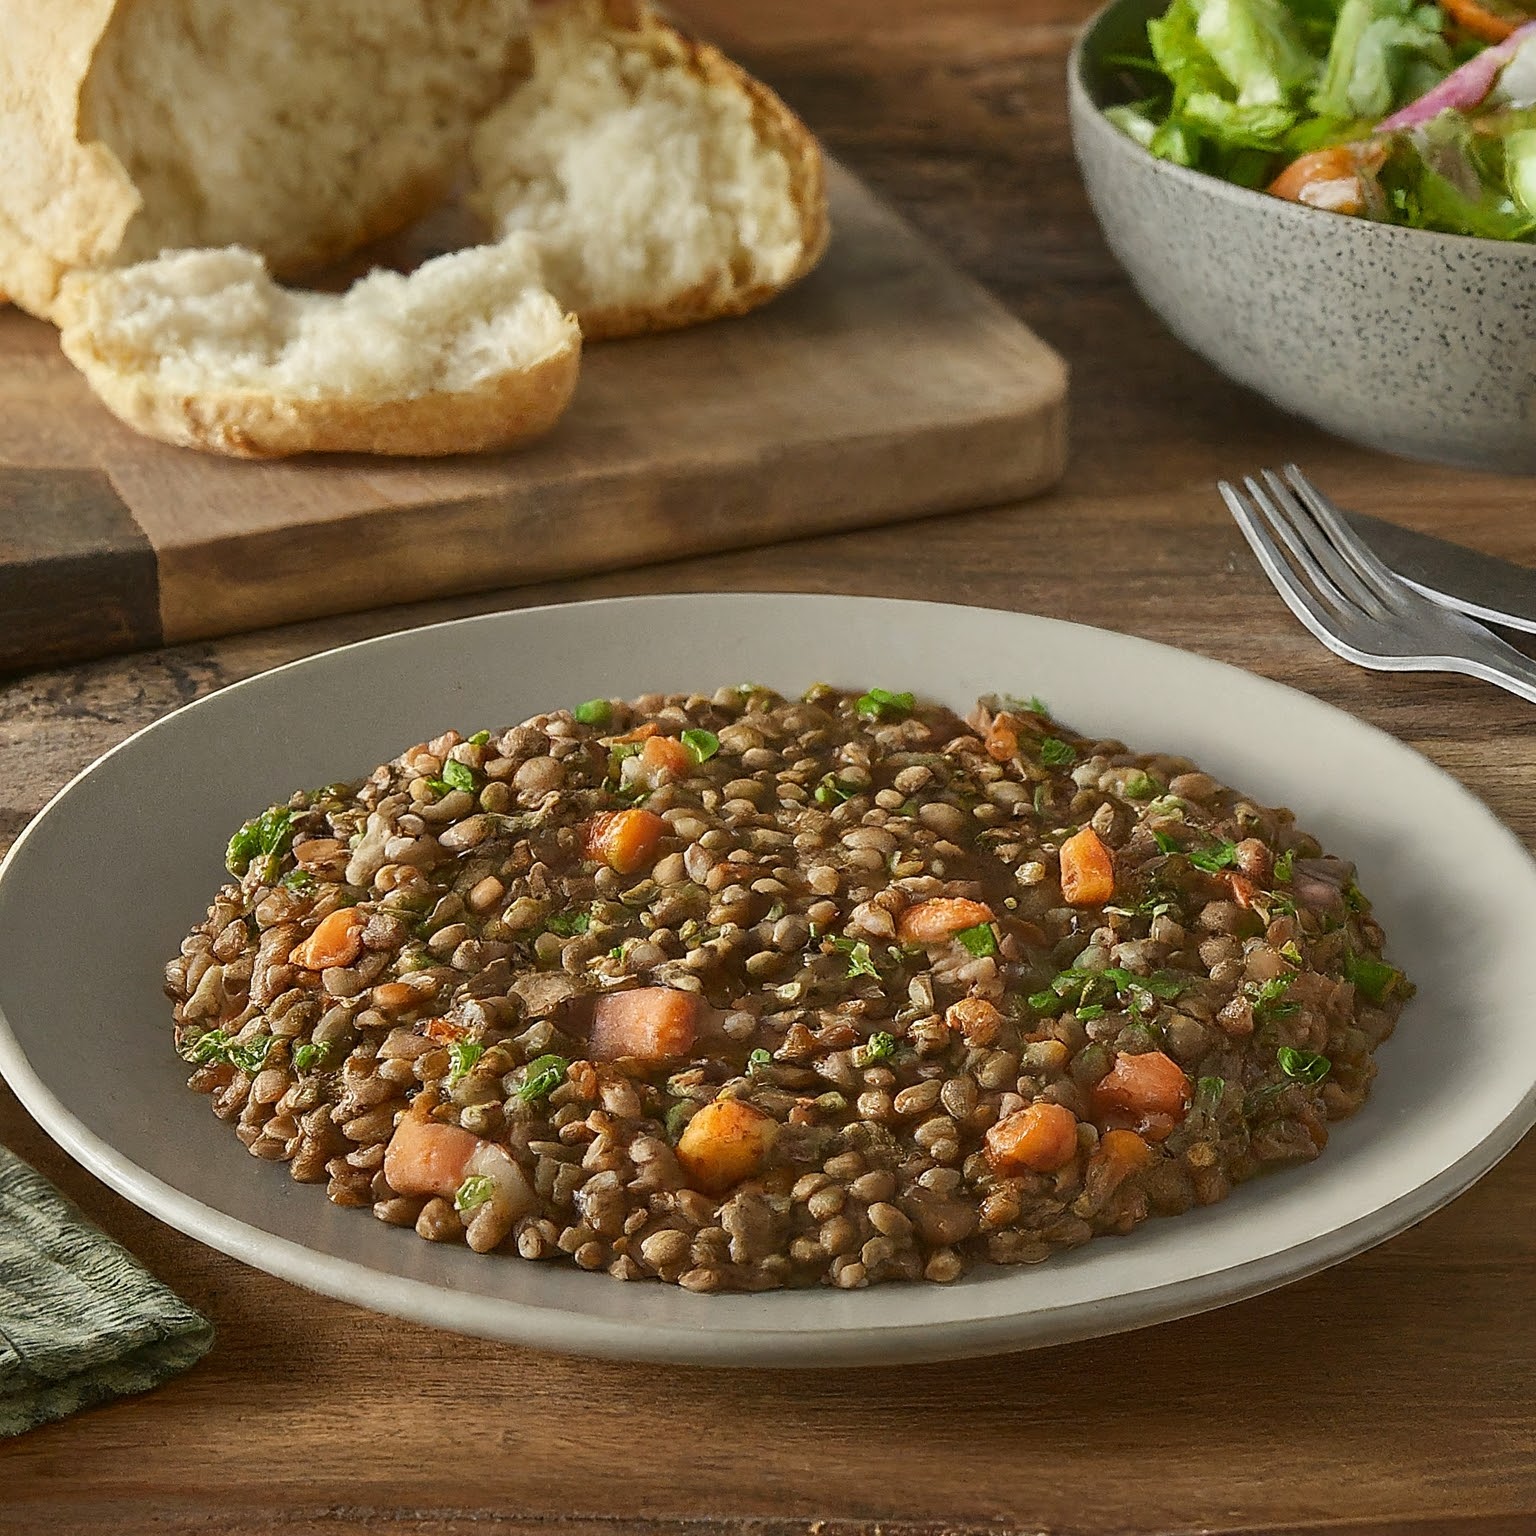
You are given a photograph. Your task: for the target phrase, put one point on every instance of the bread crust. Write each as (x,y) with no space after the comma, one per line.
(513,408)
(635,26)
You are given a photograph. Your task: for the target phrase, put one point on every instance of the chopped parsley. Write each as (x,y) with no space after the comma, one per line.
(568,924)
(1375,978)
(702,745)
(980,940)
(678,1117)
(1303,1066)
(216,1045)
(1055,753)
(1091,1011)
(480,739)
(458,775)
(299,881)
(473,1192)
(1268,997)
(1033,704)
(882,704)
(593,712)
(1094,989)
(1139,786)
(541,1077)
(1221,855)
(1354,898)
(759,1059)
(1285,866)
(267,836)
(880,1046)
(311,1054)
(1042,799)
(832,791)
(860,961)
(462,1056)
(1208,1095)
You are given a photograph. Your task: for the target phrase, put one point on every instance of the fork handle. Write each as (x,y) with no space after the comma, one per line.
(1505,668)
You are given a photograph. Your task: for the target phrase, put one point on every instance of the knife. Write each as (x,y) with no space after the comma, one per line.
(1483,586)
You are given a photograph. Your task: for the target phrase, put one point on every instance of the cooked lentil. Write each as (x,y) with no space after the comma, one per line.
(744,992)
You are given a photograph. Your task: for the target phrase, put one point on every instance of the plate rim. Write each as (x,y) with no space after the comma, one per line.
(586,1334)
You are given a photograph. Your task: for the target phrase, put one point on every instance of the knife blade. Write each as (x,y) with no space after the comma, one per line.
(1483,586)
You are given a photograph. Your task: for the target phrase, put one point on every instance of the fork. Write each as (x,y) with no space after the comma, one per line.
(1359,608)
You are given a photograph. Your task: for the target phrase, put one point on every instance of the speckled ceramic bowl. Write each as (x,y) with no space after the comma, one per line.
(1418,343)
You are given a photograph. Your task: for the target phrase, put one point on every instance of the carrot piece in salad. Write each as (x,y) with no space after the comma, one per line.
(1152,1085)
(426,1157)
(725,1142)
(1003,739)
(1487,23)
(940,918)
(665,755)
(337,940)
(625,841)
(651,1023)
(1338,178)
(1087,870)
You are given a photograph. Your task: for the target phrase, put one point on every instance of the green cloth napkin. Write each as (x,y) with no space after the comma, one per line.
(80,1319)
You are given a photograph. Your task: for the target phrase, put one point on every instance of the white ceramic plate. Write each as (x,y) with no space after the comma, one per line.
(99,890)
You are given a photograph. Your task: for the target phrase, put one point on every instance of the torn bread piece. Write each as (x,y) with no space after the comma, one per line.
(201,348)
(661,183)
(300,130)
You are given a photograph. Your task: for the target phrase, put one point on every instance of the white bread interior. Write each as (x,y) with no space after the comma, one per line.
(661,184)
(298,129)
(202,348)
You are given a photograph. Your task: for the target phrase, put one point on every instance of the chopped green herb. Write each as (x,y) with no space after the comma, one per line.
(299,881)
(678,1117)
(480,739)
(860,961)
(882,704)
(1045,1002)
(217,1045)
(980,940)
(1285,866)
(269,835)
(759,1059)
(702,745)
(541,1077)
(1167,808)
(593,712)
(832,791)
(459,775)
(1304,1066)
(311,1054)
(462,1056)
(1221,855)
(1042,799)
(1268,997)
(1166,842)
(1139,786)
(1033,704)
(440,787)
(569,924)
(879,1047)
(1375,978)
(1208,1095)
(1354,898)
(617,952)
(1091,1011)
(1292,951)
(473,1192)
(1055,753)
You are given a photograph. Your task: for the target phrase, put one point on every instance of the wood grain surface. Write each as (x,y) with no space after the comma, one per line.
(1392,1396)
(885,385)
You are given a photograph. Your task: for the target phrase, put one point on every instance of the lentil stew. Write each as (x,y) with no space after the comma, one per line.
(744,992)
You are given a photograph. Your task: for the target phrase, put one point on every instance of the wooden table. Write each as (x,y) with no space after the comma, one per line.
(1394,1394)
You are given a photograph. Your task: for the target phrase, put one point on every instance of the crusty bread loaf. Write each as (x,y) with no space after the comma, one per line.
(661,184)
(201,348)
(297,129)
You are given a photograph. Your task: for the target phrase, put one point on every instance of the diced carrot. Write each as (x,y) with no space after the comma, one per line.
(444,1031)
(651,1023)
(725,1142)
(625,841)
(1150,1084)
(1038,1139)
(640,733)
(1087,870)
(1123,1150)
(666,754)
(940,918)
(426,1157)
(337,940)
(1003,740)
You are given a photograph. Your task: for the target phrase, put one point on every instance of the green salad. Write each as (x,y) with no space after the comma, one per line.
(1394,110)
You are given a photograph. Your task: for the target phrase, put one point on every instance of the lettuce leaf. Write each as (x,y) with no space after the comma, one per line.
(1384,53)
(1452,177)
(1258,46)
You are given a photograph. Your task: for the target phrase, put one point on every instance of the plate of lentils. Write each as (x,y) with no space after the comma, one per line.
(890,1015)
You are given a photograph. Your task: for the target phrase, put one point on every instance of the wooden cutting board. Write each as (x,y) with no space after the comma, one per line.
(886,386)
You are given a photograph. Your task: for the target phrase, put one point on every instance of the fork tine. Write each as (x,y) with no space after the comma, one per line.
(1372,569)
(1301,555)
(1316,538)
(1282,578)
